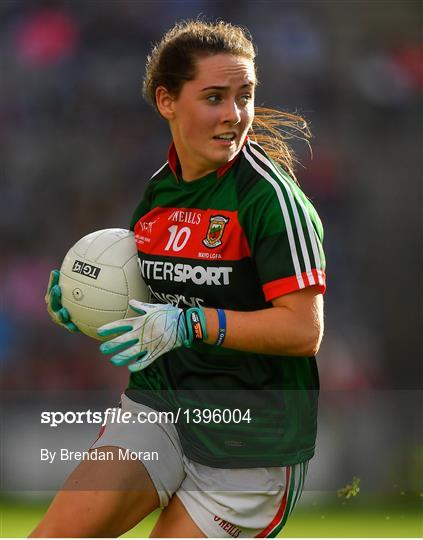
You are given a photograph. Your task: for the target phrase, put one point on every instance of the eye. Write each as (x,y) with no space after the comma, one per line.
(245,98)
(214,98)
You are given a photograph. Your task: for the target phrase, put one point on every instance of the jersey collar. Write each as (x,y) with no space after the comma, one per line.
(173,160)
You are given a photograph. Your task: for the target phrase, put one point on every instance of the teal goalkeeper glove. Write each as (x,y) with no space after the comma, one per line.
(57,312)
(159,329)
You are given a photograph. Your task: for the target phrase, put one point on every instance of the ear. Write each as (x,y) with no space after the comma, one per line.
(165,102)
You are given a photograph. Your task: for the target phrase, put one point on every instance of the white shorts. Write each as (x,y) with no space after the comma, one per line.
(229,503)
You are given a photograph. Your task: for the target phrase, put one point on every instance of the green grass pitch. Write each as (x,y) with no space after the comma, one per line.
(339,518)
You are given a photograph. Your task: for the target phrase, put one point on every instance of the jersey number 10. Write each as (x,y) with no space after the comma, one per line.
(178,239)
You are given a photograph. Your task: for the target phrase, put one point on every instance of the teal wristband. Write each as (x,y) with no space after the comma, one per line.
(196,324)
(222,327)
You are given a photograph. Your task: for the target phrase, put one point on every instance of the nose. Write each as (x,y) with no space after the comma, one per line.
(232,113)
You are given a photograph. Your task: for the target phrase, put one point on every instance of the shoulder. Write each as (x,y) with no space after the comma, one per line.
(156,180)
(260,176)
(145,205)
(162,172)
(264,182)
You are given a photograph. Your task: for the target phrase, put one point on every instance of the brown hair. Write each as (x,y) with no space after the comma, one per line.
(172,62)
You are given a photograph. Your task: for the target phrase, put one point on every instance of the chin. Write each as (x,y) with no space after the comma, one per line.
(224,157)
(219,158)
(221,163)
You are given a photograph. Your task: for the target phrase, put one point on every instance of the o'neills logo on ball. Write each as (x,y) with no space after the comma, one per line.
(215,231)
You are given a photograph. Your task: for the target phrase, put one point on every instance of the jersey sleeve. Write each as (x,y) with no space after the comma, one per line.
(285,236)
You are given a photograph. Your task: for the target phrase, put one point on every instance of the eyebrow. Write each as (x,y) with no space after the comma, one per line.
(216,87)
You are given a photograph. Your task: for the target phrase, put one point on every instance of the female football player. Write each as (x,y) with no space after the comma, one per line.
(231,250)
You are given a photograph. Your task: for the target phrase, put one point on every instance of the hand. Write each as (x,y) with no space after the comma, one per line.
(57,312)
(159,329)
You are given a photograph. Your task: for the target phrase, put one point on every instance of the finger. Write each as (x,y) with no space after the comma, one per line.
(136,308)
(54,317)
(53,280)
(56,276)
(143,306)
(123,358)
(115,345)
(117,327)
(141,363)
(63,315)
(72,327)
(49,286)
(128,335)
(56,298)
(120,362)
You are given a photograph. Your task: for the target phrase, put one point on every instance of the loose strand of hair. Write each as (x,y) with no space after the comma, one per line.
(273,128)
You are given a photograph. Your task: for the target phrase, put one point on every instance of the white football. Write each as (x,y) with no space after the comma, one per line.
(98,277)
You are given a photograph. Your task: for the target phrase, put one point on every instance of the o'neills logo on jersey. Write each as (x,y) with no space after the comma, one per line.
(162,271)
(185,216)
(215,231)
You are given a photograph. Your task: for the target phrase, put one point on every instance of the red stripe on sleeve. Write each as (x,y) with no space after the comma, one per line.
(279,287)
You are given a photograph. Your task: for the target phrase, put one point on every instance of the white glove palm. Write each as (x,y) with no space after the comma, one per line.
(159,329)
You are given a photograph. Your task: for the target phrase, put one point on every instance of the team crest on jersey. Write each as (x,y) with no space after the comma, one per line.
(215,231)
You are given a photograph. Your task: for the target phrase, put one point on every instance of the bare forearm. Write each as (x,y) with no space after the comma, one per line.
(276,330)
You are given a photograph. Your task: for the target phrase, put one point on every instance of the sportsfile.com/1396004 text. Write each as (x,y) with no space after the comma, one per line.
(116,415)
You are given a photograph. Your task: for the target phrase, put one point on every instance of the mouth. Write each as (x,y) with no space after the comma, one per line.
(226,139)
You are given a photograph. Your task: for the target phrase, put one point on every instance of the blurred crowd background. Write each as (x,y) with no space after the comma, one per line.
(78,144)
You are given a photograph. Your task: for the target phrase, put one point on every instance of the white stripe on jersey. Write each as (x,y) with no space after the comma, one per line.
(285,213)
(310,228)
(158,170)
(295,212)
(312,236)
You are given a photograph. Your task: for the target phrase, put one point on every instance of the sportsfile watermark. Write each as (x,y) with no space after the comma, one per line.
(59,428)
(117,416)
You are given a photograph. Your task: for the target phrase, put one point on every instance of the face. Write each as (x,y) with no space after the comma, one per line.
(212,114)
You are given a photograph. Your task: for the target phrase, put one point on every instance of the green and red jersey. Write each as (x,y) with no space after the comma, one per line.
(235,239)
